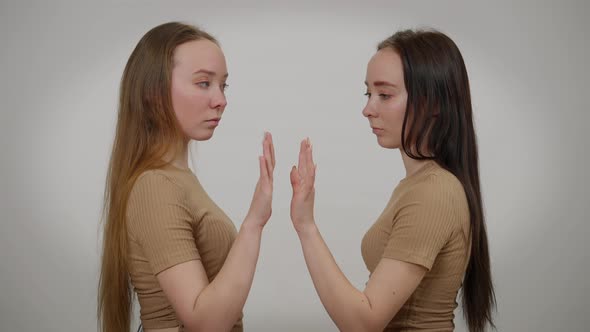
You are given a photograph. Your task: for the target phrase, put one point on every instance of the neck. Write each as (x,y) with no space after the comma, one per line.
(181,158)
(412,165)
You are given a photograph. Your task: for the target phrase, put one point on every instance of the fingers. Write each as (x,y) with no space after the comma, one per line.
(302,166)
(272,151)
(294,178)
(264,176)
(311,167)
(306,169)
(267,156)
(309,159)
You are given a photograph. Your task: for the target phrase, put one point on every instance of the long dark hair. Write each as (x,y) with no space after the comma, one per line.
(146,130)
(438,125)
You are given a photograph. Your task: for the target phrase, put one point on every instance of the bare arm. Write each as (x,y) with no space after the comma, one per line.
(216,306)
(389,287)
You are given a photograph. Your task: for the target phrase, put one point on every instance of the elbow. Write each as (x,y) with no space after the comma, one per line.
(192,326)
(208,324)
(373,324)
(200,327)
(360,324)
(368,321)
(359,327)
(205,317)
(368,326)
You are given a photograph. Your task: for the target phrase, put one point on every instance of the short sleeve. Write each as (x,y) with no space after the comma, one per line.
(423,224)
(160,221)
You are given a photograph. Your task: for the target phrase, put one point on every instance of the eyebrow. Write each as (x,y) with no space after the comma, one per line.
(382,83)
(208,72)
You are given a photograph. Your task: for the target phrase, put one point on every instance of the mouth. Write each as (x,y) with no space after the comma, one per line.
(213,122)
(377,130)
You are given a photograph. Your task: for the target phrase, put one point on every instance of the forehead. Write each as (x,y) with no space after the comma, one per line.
(199,53)
(385,65)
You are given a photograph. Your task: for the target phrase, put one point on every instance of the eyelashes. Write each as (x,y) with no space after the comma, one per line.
(207,84)
(382,96)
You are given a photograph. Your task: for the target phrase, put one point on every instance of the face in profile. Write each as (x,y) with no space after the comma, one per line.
(198,88)
(387,97)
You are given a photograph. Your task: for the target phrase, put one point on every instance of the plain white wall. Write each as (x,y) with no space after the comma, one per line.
(296,70)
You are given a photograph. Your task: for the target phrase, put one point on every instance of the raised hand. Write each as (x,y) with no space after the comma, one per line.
(302,182)
(261,206)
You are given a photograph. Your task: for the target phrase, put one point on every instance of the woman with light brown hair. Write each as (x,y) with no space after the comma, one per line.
(164,238)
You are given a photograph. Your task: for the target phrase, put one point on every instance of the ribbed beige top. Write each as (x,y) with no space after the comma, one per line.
(171,220)
(426,222)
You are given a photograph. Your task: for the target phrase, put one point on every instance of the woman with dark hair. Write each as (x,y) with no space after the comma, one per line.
(430,239)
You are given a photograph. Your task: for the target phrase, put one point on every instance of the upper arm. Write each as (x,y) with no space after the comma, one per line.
(390,286)
(161,222)
(182,285)
(424,223)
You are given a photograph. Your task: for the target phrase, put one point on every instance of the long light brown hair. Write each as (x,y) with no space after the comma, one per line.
(147,131)
(439,117)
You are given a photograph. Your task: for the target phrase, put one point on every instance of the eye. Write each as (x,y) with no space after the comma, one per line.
(384,96)
(204,84)
(368,94)
(224,86)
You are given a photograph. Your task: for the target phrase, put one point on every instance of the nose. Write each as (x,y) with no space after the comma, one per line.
(369,110)
(218,100)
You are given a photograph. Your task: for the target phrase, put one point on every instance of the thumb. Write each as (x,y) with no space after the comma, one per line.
(294,177)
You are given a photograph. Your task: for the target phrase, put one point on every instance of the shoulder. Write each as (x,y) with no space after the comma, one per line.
(436,185)
(159,176)
(158,185)
(436,194)
(157,195)
(161,179)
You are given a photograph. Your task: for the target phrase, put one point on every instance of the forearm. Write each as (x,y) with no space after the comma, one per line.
(221,302)
(348,307)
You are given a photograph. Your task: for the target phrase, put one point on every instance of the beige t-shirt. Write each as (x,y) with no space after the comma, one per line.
(426,222)
(172,220)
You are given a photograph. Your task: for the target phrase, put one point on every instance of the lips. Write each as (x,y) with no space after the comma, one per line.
(213,122)
(376,130)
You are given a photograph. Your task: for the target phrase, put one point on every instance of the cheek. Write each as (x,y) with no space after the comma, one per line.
(179,103)
(394,116)
(189,106)
(399,122)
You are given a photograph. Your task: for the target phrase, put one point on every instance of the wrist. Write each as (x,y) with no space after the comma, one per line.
(251,225)
(306,228)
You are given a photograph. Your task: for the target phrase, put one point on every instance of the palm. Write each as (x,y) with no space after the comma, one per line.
(303,182)
(261,206)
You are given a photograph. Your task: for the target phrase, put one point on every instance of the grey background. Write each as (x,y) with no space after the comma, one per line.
(296,70)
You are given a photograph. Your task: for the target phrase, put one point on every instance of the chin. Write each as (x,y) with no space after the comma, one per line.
(387,145)
(202,136)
